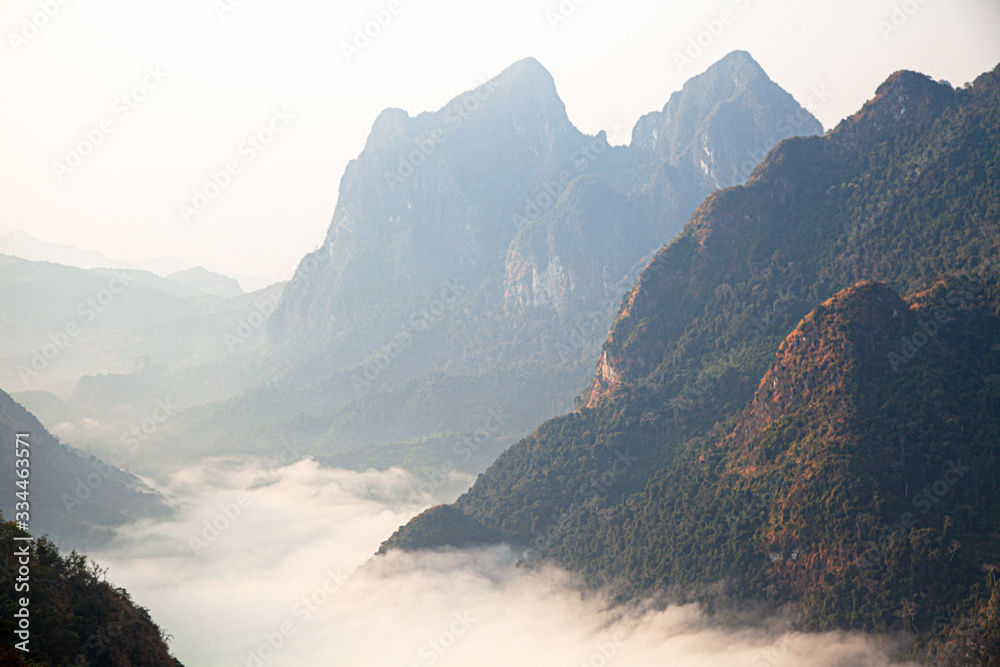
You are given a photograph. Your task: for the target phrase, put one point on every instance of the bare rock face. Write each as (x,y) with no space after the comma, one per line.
(906,105)
(723,123)
(577,256)
(431,199)
(709,135)
(499,193)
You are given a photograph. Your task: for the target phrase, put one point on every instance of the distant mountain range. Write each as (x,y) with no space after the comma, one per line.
(206,282)
(794,405)
(473,266)
(25,246)
(771,421)
(59,323)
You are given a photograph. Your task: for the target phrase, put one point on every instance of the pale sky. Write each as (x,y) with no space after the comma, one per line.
(201,76)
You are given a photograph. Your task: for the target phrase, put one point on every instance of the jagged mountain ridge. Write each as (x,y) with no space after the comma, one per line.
(429,201)
(910,113)
(463,247)
(725,144)
(903,192)
(461,185)
(709,135)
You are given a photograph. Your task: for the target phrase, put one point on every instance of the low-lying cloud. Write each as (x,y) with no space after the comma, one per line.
(271,567)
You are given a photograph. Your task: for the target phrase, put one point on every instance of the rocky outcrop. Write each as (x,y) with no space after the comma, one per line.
(499,190)
(430,199)
(722,123)
(800,172)
(581,255)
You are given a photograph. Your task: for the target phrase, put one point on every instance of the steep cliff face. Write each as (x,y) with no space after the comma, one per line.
(489,241)
(577,256)
(710,135)
(475,193)
(723,123)
(430,200)
(812,216)
(767,408)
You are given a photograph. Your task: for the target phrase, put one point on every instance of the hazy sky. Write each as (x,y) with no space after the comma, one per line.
(163,94)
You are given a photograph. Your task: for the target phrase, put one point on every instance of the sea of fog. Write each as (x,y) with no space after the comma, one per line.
(273,567)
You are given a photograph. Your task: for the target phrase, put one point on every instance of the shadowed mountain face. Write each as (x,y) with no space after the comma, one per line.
(472,268)
(73,498)
(463,196)
(765,417)
(429,202)
(474,261)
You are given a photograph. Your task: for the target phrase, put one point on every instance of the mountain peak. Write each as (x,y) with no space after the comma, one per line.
(741,60)
(736,70)
(905,97)
(525,82)
(914,90)
(907,81)
(855,326)
(390,123)
(715,103)
(527,69)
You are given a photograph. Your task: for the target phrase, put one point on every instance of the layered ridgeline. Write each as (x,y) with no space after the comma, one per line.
(760,418)
(77,500)
(75,617)
(61,323)
(474,262)
(460,197)
(94,353)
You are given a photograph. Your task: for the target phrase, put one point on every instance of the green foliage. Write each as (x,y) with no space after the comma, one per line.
(77,618)
(440,526)
(769,461)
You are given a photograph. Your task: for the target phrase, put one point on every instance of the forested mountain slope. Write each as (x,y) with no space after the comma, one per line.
(75,616)
(708,400)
